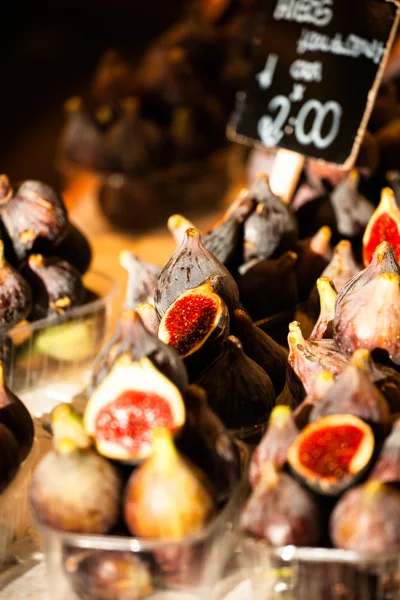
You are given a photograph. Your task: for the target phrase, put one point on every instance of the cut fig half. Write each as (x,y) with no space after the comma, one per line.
(384,225)
(333,453)
(193,318)
(129,403)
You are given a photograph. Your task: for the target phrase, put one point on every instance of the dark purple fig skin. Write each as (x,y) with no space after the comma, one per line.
(142,278)
(351,208)
(271,228)
(238,389)
(190,266)
(261,348)
(387,467)
(9,452)
(133,338)
(35,218)
(313,255)
(15,295)
(281,512)
(75,249)
(268,287)
(208,444)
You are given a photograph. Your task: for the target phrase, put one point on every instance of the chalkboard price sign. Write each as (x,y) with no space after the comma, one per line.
(318,68)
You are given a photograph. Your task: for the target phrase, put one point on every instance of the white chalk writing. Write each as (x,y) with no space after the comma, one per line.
(303,70)
(353,45)
(315,12)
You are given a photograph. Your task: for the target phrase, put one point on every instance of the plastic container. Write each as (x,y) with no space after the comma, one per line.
(48,361)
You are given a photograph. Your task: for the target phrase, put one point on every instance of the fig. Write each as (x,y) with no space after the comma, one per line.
(208,444)
(352,210)
(149,316)
(107,575)
(178,226)
(196,324)
(75,249)
(320,386)
(331,454)
(134,338)
(275,443)
(16,417)
(313,255)
(238,389)
(60,280)
(281,512)
(142,277)
(9,453)
(342,266)
(387,467)
(73,488)
(15,294)
(369,317)
(268,287)
(35,218)
(366,519)
(384,225)
(189,267)
(327,299)
(129,403)
(307,358)
(354,393)
(271,228)
(167,497)
(261,348)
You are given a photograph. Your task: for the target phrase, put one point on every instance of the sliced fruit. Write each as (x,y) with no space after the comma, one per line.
(384,225)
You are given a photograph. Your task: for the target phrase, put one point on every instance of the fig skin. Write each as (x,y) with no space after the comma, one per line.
(320,386)
(271,228)
(16,417)
(142,277)
(75,248)
(281,512)
(206,442)
(366,519)
(187,504)
(35,218)
(261,348)
(9,452)
(369,317)
(328,442)
(268,287)
(307,358)
(190,266)
(281,432)
(149,316)
(313,255)
(15,295)
(323,328)
(387,467)
(384,225)
(351,208)
(239,391)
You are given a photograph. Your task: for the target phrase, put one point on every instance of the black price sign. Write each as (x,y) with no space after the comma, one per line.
(319,66)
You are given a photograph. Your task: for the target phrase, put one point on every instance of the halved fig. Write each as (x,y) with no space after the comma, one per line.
(323,328)
(273,448)
(313,255)
(142,277)
(384,225)
(332,453)
(387,467)
(129,403)
(196,318)
(320,386)
(15,294)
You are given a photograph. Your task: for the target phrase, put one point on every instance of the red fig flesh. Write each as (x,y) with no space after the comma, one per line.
(384,225)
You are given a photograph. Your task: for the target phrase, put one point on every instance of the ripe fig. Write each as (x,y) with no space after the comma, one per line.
(189,267)
(387,467)
(269,286)
(130,402)
(178,226)
(320,386)
(134,338)
(384,225)
(331,454)
(238,389)
(281,512)
(9,452)
(142,277)
(342,266)
(167,497)
(313,255)
(15,294)
(16,417)
(352,209)
(271,228)
(354,393)
(261,348)
(323,328)
(73,488)
(366,519)
(75,248)
(35,218)
(61,281)
(369,317)
(307,358)
(275,443)
(208,444)
(149,316)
